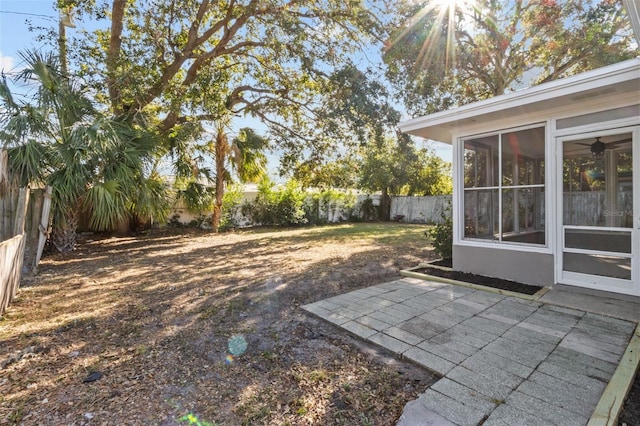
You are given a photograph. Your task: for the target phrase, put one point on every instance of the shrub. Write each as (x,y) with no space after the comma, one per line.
(367,210)
(231,207)
(441,235)
(281,207)
(330,205)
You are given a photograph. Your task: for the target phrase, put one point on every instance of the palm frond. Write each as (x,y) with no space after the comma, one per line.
(151,201)
(249,158)
(106,204)
(198,197)
(28,162)
(7,97)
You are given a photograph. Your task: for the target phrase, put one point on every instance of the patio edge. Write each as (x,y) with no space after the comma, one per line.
(610,405)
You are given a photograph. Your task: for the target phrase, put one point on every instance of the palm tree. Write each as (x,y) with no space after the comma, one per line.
(59,138)
(244,156)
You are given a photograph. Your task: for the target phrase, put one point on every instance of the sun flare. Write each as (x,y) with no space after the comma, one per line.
(444,12)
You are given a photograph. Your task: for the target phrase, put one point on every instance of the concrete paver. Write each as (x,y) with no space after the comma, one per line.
(435,363)
(582,364)
(416,414)
(504,360)
(358,329)
(548,412)
(452,409)
(509,415)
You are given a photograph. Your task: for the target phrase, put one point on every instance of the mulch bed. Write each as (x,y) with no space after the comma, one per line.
(630,415)
(480,280)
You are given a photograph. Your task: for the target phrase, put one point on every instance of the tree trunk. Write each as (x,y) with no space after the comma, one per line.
(385,205)
(221,153)
(65,233)
(217,207)
(113,54)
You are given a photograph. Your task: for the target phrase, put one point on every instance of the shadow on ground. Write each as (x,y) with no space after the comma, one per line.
(156,315)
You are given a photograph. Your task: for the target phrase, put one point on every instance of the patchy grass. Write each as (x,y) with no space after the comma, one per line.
(190,327)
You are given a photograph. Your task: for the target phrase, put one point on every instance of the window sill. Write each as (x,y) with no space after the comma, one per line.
(501,245)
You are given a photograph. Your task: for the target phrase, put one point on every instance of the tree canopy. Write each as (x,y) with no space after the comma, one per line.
(444,56)
(396,167)
(185,61)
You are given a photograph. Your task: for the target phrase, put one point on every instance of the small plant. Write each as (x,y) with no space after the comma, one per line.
(441,235)
(193,420)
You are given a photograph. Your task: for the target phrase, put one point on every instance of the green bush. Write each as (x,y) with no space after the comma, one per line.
(368,211)
(441,235)
(277,207)
(231,206)
(325,204)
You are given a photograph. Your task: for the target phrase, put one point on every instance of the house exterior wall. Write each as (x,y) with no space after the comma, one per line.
(536,265)
(598,103)
(520,266)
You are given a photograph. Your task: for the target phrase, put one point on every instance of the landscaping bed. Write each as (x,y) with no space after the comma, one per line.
(630,415)
(477,279)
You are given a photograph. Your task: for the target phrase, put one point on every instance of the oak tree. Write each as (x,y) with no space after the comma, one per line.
(443,56)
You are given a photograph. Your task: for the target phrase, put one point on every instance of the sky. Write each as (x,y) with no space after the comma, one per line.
(16,16)
(14,28)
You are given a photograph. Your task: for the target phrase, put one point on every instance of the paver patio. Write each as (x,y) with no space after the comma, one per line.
(504,361)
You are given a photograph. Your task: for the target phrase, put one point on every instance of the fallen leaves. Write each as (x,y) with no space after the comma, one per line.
(215,333)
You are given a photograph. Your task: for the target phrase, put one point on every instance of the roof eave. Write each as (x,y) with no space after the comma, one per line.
(439,123)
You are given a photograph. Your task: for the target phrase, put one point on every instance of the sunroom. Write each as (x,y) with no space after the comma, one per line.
(544,188)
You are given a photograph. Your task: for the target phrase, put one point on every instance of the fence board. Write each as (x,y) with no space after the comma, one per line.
(427,209)
(43,228)
(22,203)
(34,215)
(11,256)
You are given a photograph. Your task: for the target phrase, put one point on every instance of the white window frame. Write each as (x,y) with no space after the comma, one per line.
(458,198)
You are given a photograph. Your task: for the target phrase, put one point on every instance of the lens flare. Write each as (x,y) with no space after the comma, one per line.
(237,345)
(444,12)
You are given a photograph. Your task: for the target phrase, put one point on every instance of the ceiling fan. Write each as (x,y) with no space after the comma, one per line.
(598,147)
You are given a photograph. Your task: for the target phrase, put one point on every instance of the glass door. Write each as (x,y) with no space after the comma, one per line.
(599,241)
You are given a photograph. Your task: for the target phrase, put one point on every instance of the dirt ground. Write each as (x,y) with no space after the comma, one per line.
(184,327)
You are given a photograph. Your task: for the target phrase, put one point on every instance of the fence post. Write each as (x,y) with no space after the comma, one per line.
(21,211)
(43,228)
(4,172)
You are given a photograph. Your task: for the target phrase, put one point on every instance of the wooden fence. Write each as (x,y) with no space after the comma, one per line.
(24,224)
(427,209)
(11,257)
(13,210)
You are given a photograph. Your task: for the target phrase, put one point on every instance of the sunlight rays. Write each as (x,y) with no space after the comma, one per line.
(444,13)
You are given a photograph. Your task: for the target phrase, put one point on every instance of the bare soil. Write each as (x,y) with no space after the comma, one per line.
(630,415)
(178,327)
(480,280)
